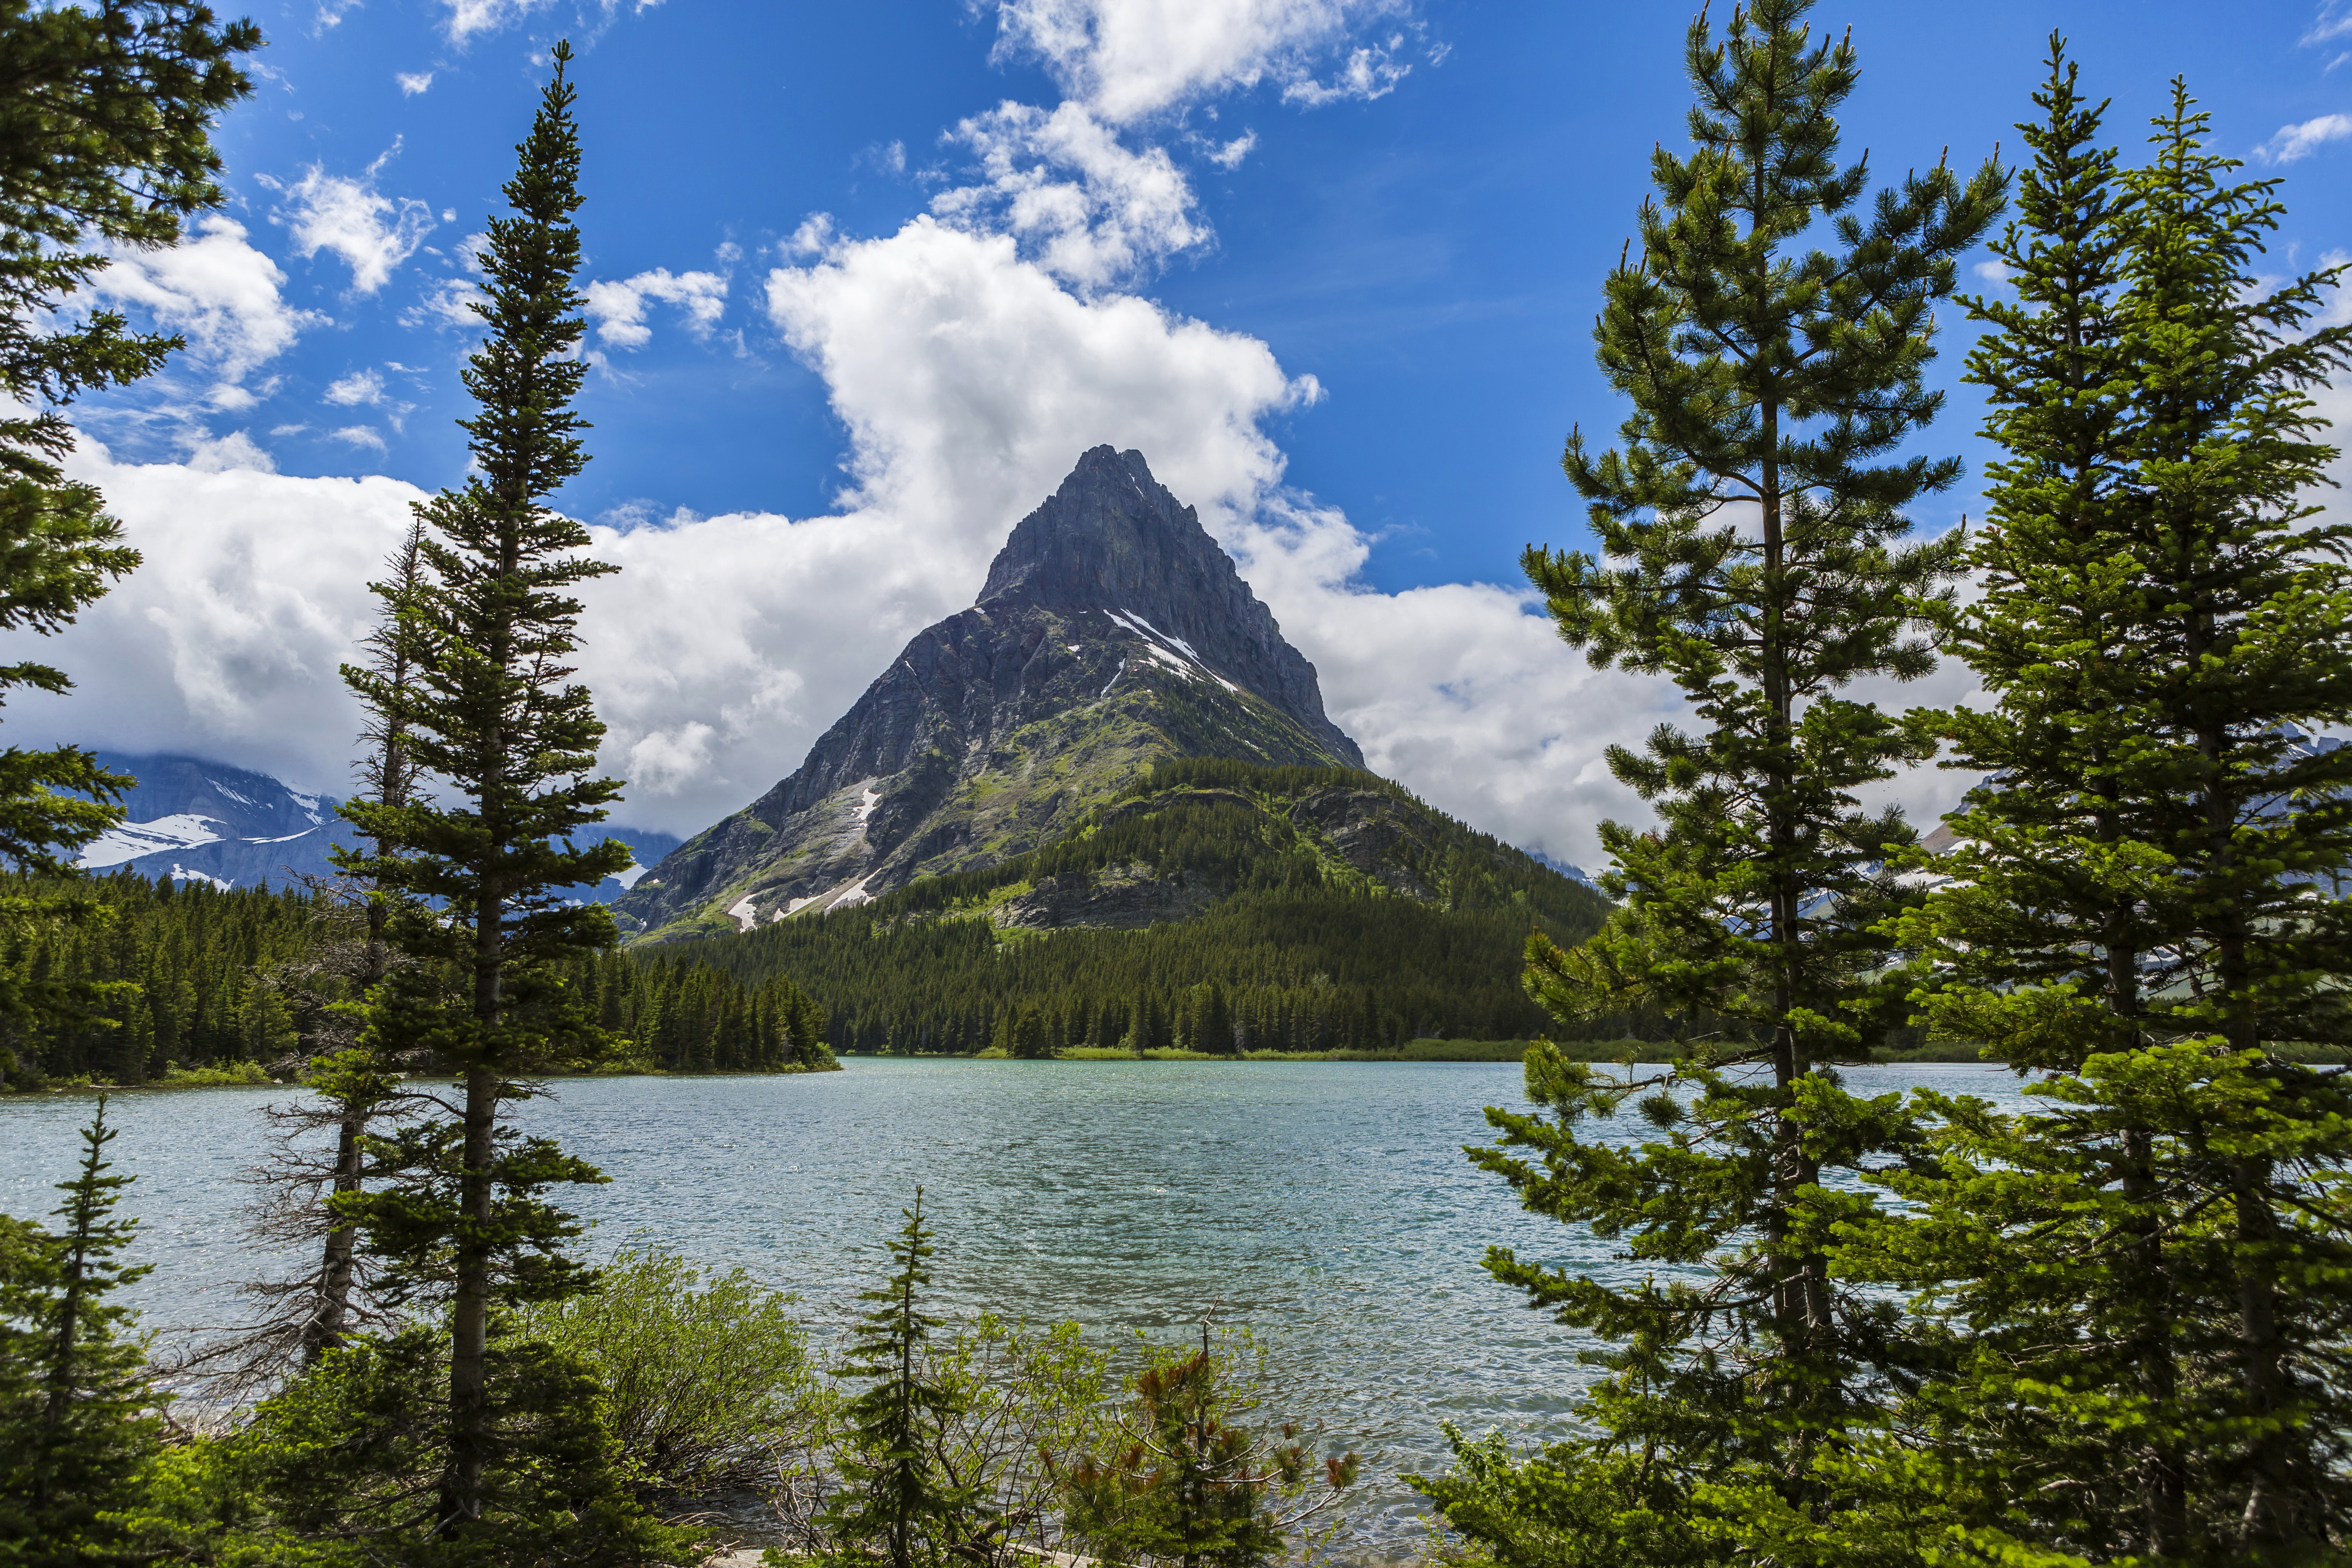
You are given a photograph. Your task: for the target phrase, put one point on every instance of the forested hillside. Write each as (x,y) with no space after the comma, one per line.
(1217,905)
(186,975)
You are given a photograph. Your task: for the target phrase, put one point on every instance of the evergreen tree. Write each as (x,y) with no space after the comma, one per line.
(2149,1276)
(487,712)
(899,1506)
(77,1415)
(1757,512)
(106,115)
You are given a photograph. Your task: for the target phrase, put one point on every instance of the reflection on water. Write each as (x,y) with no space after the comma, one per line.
(1325,1204)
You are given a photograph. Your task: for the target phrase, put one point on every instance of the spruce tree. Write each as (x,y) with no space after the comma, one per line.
(2148,1277)
(1771,332)
(77,1415)
(490,716)
(106,118)
(899,1506)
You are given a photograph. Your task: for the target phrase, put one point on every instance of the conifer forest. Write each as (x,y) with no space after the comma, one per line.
(2106,1321)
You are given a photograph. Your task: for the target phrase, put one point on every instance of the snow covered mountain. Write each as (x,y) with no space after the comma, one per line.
(195,820)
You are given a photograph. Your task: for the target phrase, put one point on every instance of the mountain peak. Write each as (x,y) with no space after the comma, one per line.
(1114,540)
(1112,632)
(1108,539)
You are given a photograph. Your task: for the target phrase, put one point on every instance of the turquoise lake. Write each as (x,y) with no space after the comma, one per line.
(1328,1205)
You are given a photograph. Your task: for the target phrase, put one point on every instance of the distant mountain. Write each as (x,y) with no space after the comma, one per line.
(190,819)
(1112,632)
(1573,873)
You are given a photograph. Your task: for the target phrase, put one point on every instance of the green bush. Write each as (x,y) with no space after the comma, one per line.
(708,1378)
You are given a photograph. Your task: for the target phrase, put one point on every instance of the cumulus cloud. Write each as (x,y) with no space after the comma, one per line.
(1090,210)
(224,454)
(412,82)
(1130,60)
(618,309)
(217,289)
(226,642)
(372,232)
(2297,141)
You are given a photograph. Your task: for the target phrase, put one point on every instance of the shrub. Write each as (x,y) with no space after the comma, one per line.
(707,1376)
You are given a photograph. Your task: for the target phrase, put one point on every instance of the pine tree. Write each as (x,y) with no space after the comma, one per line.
(77,1415)
(1187,1486)
(106,121)
(899,1506)
(1756,514)
(489,714)
(2149,1277)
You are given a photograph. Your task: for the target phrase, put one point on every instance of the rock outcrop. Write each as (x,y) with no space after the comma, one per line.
(1112,632)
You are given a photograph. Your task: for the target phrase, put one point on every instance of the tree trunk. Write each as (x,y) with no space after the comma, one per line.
(469,1316)
(325,1329)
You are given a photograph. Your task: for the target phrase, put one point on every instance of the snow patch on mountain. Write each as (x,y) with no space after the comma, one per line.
(183,830)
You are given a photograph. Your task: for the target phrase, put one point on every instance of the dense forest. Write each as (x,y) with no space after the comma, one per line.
(186,976)
(1297,947)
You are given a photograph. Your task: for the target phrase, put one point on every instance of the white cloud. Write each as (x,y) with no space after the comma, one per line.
(1087,208)
(365,389)
(226,454)
(226,642)
(2334,21)
(449,303)
(2296,142)
(412,82)
(372,232)
(1370,73)
(362,386)
(217,289)
(618,309)
(1231,155)
(468,17)
(1130,60)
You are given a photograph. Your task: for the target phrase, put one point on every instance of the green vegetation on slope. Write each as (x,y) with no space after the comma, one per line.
(1281,931)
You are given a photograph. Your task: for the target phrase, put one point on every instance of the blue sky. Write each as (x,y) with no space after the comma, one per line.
(866,277)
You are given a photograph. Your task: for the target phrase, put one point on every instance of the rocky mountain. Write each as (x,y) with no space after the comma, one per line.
(1112,632)
(190,819)
(195,820)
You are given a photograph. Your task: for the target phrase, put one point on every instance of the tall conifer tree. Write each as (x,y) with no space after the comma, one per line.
(489,713)
(78,1417)
(1756,515)
(106,117)
(2150,1275)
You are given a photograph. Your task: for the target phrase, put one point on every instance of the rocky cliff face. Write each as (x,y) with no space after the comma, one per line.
(1111,632)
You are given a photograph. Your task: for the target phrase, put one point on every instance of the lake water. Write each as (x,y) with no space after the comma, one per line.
(1328,1205)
